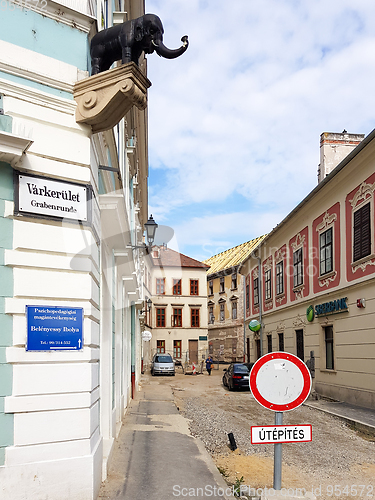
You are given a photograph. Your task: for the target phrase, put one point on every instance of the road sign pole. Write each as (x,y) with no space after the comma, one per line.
(278,453)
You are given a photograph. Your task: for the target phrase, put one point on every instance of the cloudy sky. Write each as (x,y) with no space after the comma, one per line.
(235,122)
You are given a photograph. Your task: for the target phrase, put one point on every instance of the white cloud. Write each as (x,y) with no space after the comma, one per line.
(242,110)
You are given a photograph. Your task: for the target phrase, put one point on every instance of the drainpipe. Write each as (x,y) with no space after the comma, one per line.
(244,319)
(256,255)
(132,347)
(260,302)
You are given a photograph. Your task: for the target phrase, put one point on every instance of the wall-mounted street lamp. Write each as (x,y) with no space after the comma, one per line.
(150,227)
(147,306)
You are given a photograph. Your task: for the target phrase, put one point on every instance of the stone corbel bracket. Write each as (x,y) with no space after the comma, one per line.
(103,99)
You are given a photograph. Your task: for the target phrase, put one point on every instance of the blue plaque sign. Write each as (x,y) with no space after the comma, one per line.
(54,328)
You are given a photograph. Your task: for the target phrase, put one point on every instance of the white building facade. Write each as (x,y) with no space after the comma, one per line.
(178,316)
(71,202)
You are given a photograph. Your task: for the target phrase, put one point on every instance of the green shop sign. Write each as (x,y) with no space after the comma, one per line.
(332,307)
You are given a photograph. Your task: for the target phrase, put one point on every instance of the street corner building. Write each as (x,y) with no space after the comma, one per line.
(177,319)
(311,281)
(73,204)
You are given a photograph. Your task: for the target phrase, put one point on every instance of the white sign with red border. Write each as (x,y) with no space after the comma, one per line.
(268,434)
(280,381)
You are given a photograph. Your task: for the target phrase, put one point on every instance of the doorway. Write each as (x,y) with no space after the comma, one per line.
(193,351)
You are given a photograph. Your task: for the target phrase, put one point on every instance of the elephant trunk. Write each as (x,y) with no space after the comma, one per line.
(163,51)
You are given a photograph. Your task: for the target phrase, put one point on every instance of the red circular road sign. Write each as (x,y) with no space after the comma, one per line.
(280,381)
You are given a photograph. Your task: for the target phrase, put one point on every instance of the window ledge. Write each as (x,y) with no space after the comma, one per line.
(268,301)
(280,295)
(298,288)
(327,370)
(222,292)
(364,262)
(327,275)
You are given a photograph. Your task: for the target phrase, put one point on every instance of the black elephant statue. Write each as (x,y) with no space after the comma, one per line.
(128,40)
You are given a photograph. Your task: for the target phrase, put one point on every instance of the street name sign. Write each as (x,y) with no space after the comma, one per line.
(49,197)
(280,381)
(272,434)
(52,328)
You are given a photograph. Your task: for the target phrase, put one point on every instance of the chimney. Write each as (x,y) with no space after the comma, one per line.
(334,147)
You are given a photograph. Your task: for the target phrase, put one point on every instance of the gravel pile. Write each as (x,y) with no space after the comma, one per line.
(336,453)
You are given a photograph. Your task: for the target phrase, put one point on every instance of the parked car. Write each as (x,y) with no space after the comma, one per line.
(236,376)
(162,364)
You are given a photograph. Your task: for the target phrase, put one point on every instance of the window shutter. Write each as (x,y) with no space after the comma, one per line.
(362,233)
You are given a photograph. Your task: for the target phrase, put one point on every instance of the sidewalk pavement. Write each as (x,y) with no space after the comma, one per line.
(362,419)
(156,457)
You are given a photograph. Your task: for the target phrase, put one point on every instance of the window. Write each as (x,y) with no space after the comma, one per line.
(234,309)
(279,278)
(194,288)
(210,287)
(222,284)
(269,343)
(267,278)
(297,268)
(362,233)
(222,312)
(211,316)
(256,291)
(177,348)
(328,338)
(247,296)
(281,341)
(177,317)
(300,344)
(160,316)
(234,281)
(195,318)
(176,287)
(160,286)
(325,246)
(160,346)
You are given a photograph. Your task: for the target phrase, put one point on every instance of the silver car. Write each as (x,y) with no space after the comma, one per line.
(162,364)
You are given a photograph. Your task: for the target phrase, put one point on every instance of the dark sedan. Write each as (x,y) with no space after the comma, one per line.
(236,376)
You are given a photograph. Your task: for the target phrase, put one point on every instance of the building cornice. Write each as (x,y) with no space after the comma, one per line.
(60,12)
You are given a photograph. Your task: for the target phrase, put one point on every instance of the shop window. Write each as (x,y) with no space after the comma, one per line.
(176,287)
(328,339)
(269,343)
(194,288)
(160,346)
(257,347)
(267,283)
(194,318)
(279,278)
(362,233)
(281,341)
(177,349)
(160,286)
(300,344)
(256,291)
(325,248)
(177,317)
(297,268)
(160,317)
